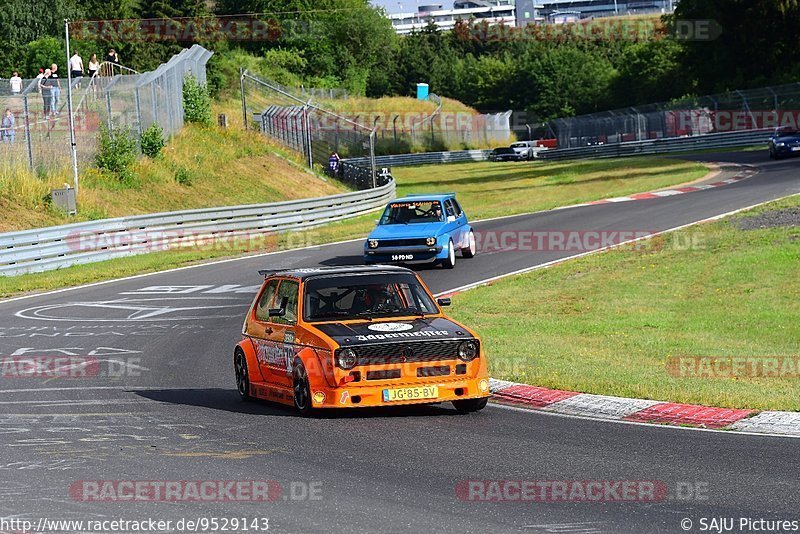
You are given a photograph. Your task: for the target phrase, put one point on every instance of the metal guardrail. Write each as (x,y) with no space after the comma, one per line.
(46,249)
(425,158)
(662,146)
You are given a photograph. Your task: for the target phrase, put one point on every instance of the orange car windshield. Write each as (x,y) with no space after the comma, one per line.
(365,297)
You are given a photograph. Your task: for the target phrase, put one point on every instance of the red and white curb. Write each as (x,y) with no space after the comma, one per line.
(743,174)
(643,411)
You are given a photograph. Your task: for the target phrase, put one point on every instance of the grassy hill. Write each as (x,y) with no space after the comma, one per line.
(199,167)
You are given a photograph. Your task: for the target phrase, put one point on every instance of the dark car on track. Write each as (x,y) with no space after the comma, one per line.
(784,142)
(506,154)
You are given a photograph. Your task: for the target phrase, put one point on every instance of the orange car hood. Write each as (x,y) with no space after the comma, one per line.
(383,331)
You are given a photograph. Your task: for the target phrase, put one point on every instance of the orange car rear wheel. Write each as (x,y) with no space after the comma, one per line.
(242,378)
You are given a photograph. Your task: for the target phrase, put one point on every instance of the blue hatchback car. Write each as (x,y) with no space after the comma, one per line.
(420,229)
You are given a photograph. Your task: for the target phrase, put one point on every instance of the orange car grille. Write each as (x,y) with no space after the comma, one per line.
(429,351)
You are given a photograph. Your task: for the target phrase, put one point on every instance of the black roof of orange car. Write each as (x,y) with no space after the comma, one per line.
(332,271)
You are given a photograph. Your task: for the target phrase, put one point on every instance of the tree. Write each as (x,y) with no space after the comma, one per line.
(565,81)
(759,42)
(650,72)
(42,53)
(20,25)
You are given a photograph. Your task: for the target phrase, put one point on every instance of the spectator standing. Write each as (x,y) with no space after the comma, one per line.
(16,83)
(76,65)
(56,87)
(7,125)
(45,89)
(94,65)
(111,59)
(39,79)
(333,163)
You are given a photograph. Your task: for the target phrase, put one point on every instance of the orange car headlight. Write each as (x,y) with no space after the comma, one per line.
(346,359)
(468,351)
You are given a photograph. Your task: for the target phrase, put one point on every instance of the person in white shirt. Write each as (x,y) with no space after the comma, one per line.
(94,65)
(76,65)
(16,83)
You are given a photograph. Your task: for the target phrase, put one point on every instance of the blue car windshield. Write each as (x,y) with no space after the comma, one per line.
(421,211)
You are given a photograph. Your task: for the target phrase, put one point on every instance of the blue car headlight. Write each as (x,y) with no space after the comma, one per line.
(431,241)
(372,243)
(780,143)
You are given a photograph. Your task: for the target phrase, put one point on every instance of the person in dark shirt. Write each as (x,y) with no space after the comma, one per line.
(111,60)
(47,92)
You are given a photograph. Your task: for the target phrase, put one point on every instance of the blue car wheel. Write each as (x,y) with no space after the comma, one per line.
(450,261)
(471,248)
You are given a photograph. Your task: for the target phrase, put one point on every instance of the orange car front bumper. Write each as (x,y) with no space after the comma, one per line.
(360,396)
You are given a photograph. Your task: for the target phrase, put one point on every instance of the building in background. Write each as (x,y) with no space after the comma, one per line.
(520,13)
(495,11)
(560,11)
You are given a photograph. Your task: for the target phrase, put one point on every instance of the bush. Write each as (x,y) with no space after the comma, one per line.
(152,141)
(182,176)
(196,102)
(117,152)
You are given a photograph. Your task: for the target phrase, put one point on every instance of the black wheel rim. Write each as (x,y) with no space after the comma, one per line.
(300,388)
(241,375)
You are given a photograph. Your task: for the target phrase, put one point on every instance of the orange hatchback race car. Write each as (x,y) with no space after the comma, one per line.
(344,337)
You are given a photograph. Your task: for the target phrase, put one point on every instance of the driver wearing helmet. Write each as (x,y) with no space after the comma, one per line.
(374,298)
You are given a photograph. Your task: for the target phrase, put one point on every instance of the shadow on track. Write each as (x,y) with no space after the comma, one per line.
(228,400)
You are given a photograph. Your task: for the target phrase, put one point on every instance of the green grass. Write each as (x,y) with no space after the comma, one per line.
(607,323)
(223,167)
(489,189)
(484,189)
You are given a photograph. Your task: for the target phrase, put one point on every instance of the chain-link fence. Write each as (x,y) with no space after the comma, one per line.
(753,109)
(323,137)
(35,127)
(291,117)
(443,130)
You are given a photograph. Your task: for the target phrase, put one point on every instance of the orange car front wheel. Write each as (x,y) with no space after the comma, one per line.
(301,388)
(470,405)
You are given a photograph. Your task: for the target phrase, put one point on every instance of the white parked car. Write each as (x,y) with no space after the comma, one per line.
(525,149)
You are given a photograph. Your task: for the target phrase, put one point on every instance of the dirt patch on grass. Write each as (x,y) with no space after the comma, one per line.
(770,219)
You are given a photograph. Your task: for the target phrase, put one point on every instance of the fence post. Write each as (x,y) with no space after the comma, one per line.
(108,111)
(28,139)
(138,112)
(308,134)
(372,158)
(242,73)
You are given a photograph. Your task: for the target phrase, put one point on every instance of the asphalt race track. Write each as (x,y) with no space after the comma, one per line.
(170,412)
